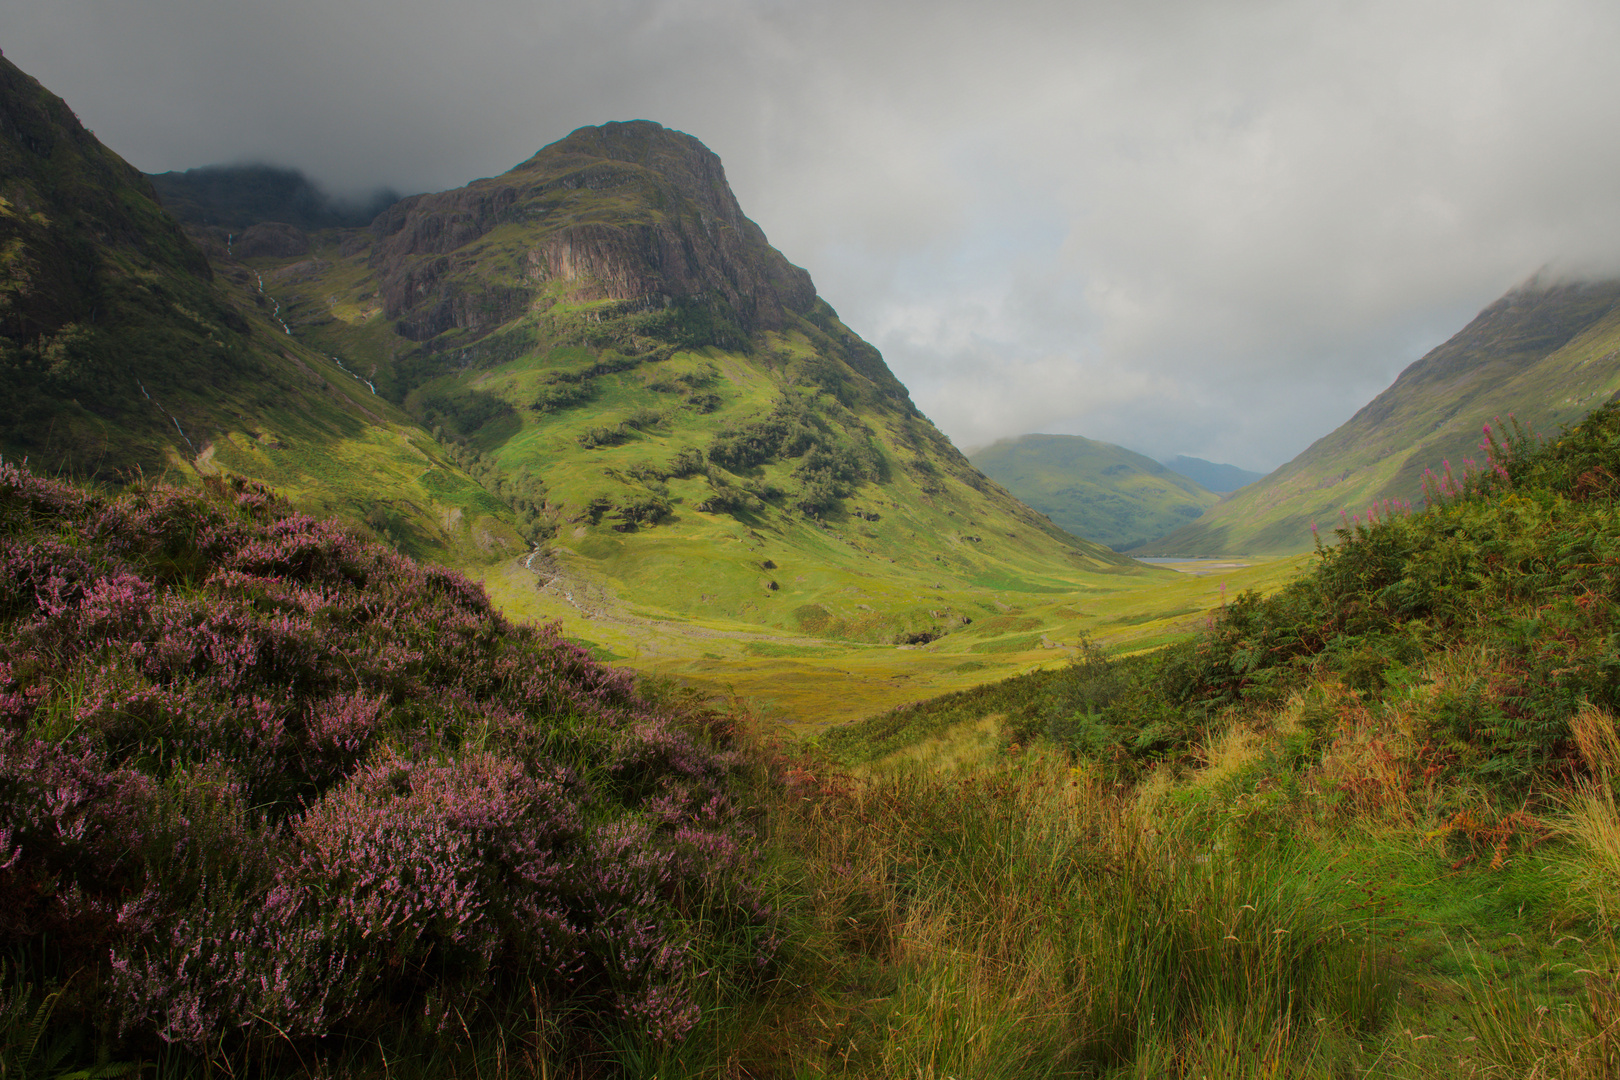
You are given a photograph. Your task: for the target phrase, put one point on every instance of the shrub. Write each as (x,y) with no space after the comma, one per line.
(263,783)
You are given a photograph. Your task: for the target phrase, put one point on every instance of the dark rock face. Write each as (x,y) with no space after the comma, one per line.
(631,212)
(271,239)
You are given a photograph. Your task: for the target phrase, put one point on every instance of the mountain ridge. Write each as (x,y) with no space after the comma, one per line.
(1212,476)
(1546,351)
(1092,489)
(637,380)
(123,354)
(239,196)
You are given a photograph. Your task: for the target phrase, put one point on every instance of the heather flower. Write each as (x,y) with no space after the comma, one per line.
(268,782)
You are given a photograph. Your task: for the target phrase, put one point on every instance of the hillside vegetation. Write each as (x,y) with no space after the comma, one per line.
(686,427)
(269,791)
(1546,353)
(122,354)
(1094,489)
(1364,826)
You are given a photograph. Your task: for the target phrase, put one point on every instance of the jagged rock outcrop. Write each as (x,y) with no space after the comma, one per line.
(632,212)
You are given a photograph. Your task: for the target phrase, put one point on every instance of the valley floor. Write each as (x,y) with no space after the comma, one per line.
(801,684)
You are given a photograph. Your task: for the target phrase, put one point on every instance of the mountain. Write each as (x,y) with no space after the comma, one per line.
(239,196)
(1221,479)
(123,353)
(1546,353)
(603,327)
(1095,489)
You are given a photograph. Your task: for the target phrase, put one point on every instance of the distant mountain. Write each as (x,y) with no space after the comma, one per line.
(1221,479)
(122,354)
(603,324)
(234,197)
(1095,489)
(1547,353)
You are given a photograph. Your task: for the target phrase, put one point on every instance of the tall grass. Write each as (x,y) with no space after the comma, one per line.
(1032,920)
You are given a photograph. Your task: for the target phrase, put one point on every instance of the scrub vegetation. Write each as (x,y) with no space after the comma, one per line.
(1363,826)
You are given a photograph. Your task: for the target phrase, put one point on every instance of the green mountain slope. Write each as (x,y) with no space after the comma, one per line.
(1547,353)
(603,329)
(1095,489)
(122,352)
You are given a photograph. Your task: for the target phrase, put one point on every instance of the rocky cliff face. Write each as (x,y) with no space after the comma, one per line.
(629,212)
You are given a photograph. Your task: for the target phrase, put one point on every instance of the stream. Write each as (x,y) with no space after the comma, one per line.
(169,414)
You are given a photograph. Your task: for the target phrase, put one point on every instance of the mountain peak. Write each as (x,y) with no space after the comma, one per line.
(673,156)
(629,212)
(640,142)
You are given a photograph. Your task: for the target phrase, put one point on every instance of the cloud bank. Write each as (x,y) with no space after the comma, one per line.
(1213,229)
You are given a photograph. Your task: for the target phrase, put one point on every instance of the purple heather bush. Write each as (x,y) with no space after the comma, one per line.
(263,781)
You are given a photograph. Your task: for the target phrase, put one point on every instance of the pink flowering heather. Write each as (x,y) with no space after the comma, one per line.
(262,782)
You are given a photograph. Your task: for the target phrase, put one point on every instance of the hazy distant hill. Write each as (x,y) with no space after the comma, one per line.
(1221,479)
(237,196)
(1546,352)
(1095,489)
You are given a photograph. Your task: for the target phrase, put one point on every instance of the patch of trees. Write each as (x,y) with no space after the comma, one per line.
(459,411)
(631,509)
(727,498)
(613,434)
(831,462)
(693,385)
(563,390)
(687,462)
(523,491)
(660,332)
(567,389)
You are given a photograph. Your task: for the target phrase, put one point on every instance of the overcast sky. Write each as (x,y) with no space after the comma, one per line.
(1203,227)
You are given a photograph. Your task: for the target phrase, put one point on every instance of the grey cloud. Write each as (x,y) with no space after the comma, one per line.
(1189,227)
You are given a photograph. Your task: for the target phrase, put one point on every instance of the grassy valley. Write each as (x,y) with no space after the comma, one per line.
(1363,826)
(715,470)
